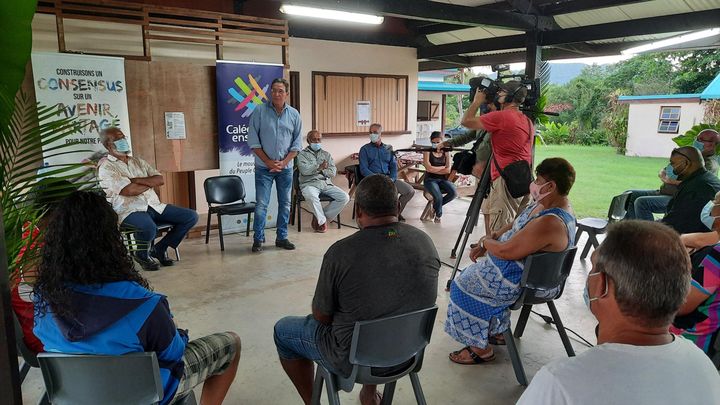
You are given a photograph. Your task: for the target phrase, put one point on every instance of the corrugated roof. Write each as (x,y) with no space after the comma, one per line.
(444,87)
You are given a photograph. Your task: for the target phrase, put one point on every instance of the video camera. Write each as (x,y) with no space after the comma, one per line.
(492,87)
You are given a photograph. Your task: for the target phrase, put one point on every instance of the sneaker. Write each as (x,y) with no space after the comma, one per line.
(147,263)
(285,244)
(437,220)
(162,257)
(322,228)
(257,246)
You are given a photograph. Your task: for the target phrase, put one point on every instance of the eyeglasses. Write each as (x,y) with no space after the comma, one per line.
(275,91)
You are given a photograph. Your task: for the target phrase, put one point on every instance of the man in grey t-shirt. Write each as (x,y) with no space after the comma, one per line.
(387,268)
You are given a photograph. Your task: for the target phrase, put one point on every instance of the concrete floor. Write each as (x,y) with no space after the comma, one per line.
(235,290)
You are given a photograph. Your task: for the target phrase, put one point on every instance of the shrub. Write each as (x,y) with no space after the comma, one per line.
(555,133)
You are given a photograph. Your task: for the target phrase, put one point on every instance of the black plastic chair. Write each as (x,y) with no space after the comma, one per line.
(81,379)
(29,357)
(543,281)
(161,228)
(397,342)
(357,178)
(598,226)
(229,192)
(297,198)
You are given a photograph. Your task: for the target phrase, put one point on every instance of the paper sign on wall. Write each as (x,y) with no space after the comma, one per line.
(175,125)
(363,113)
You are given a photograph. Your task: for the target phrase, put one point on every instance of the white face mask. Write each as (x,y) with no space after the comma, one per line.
(374,137)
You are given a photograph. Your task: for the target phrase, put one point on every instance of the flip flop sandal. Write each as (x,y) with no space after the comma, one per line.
(476,359)
(496,341)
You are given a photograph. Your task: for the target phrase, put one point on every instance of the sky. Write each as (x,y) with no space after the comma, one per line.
(599,60)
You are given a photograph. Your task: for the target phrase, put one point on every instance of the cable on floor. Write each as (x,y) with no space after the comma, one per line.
(548,319)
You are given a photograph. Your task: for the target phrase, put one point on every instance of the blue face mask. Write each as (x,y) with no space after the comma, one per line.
(374,137)
(315,146)
(706,217)
(670,173)
(699,145)
(122,145)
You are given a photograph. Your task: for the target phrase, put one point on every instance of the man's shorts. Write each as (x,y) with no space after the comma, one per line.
(296,338)
(500,206)
(205,357)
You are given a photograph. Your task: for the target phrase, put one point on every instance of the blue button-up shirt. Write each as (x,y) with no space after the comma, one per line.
(277,135)
(378,159)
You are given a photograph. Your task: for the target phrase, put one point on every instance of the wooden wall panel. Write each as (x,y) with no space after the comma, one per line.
(189,89)
(137,79)
(175,189)
(335,95)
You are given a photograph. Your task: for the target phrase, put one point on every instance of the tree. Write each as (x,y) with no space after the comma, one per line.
(696,70)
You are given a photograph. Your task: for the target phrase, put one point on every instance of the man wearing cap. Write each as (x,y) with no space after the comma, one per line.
(512,138)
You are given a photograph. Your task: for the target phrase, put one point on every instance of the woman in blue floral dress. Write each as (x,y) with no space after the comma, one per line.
(481,296)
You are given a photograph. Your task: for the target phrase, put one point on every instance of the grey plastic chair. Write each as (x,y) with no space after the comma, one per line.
(543,281)
(598,226)
(395,344)
(81,379)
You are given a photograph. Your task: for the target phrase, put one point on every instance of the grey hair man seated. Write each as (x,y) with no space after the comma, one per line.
(639,280)
(317,169)
(386,268)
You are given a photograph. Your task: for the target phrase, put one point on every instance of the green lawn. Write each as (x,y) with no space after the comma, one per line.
(601,174)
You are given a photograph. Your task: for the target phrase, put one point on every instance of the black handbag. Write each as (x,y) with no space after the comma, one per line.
(517,175)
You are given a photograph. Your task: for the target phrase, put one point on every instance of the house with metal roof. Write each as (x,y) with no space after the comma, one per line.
(654,120)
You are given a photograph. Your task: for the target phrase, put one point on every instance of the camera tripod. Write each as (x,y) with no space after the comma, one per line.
(471,219)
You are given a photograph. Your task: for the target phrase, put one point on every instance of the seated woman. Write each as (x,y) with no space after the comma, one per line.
(90,299)
(437,168)
(699,318)
(481,296)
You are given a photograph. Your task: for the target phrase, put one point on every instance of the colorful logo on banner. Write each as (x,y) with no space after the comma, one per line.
(253,95)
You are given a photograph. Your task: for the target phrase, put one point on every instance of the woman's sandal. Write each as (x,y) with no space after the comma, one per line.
(497,341)
(475,358)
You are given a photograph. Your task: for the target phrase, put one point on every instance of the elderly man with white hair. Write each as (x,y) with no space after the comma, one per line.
(128,182)
(639,280)
(317,169)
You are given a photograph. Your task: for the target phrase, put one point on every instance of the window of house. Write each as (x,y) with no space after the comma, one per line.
(669,120)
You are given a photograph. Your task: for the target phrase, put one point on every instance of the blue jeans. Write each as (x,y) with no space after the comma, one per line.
(263,185)
(642,204)
(145,224)
(296,338)
(437,187)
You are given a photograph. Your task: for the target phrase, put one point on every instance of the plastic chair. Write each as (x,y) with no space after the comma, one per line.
(542,282)
(229,192)
(161,227)
(80,379)
(397,342)
(357,178)
(29,357)
(598,226)
(298,198)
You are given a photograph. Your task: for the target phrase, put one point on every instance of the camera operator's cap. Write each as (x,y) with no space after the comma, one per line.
(516,88)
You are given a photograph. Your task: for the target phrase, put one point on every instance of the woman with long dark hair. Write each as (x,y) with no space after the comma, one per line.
(90,299)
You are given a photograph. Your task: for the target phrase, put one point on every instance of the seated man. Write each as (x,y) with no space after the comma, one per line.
(317,169)
(697,187)
(128,183)
(378,158)
(384,269)
(639,280)
(642,204)
(95,302)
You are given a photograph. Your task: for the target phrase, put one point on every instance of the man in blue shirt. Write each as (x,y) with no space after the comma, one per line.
(275,139)
(378,158)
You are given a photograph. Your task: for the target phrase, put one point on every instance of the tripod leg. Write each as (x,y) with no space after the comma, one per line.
(453,253)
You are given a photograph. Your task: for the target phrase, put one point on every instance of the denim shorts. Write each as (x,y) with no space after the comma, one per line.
(296,338)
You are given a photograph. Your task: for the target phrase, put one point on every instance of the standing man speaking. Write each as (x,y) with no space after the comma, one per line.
(275,139)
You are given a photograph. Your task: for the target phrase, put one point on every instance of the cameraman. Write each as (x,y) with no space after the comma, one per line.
(512,137)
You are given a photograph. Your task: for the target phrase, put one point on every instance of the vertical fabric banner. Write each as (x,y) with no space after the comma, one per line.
(241,87)
(91,88)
